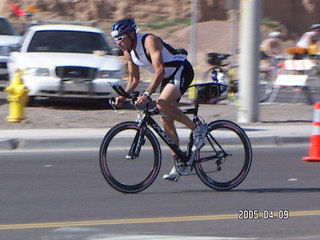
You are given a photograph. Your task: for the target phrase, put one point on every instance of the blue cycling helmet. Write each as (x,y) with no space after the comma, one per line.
(315,26)
(123,26)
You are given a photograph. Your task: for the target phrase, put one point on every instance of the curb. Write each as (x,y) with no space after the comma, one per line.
(91,138)
(94,142)
(49,144)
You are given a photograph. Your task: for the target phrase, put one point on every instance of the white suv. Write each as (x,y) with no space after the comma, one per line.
(66,61)
(8,37)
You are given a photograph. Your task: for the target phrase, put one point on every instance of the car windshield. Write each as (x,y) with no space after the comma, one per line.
(6,28)
(68,41)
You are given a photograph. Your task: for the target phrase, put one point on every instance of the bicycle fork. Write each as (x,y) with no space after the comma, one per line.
(138,142)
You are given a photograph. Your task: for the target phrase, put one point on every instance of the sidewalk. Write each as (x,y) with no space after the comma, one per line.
(91,138)
(278,124)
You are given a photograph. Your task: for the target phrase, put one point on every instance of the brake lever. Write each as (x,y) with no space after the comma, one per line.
(112,102)
(120,90)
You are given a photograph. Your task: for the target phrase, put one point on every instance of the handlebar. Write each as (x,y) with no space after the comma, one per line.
(132,97)
(119,89)
(121,92)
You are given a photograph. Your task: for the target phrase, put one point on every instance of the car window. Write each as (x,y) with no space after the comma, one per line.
(68,41)
(6,28)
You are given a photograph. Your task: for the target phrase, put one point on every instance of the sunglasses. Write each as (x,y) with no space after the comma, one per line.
(120,39)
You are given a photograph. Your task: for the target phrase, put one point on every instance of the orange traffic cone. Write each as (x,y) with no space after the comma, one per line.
(314,150)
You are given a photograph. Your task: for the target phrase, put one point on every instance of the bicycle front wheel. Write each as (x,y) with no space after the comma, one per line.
(225,159)
(265,87)
(130,157)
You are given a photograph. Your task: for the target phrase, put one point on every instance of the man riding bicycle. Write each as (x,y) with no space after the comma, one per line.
(307,44)
(170,68)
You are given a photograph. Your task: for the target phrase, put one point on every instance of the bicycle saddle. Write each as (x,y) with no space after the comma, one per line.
(217,58)
(221,56)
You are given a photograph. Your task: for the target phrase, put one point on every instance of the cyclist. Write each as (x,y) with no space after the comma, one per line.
(270,47)
(170,68)
(307,44)
(273,45)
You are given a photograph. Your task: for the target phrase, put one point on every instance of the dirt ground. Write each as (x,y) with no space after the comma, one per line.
(86,113)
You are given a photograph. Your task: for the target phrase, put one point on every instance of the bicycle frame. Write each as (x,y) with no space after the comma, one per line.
(148,120)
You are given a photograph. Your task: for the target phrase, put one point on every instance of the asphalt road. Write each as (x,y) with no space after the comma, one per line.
(62,195)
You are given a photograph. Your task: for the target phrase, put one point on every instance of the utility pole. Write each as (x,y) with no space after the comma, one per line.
(193,43)
(250,18)
(233,6)
(193,32)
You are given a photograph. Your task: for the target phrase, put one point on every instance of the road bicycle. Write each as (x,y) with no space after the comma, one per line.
(130,153)
(224,74)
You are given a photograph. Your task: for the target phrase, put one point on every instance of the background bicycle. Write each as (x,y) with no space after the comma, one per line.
(224,74)
(130,153)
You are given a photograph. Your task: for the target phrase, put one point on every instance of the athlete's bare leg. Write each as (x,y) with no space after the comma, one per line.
(167,104)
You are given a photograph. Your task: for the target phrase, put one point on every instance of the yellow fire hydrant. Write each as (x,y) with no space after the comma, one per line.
(17,98)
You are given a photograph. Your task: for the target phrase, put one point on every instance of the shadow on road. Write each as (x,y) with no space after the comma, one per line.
(3,101)
(277,190)
(3,97)
(287,121)
(254,190)
(71,103)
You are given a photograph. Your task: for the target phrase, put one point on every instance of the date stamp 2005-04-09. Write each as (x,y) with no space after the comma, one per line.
(251,214)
